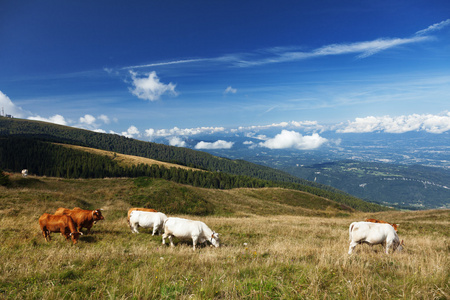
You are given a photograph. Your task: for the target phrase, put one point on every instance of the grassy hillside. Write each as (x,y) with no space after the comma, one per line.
(47,194)
(274,245)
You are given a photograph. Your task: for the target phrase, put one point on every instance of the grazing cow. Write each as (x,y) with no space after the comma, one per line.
(138,208)
(384,222)
(373,234)
(188,229)
(81,217)
(24,173)
(147,219)
(63,224)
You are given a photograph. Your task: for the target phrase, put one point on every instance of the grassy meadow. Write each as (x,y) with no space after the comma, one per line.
(274,245)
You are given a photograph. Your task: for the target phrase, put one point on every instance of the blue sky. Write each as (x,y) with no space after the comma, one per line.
(175,69)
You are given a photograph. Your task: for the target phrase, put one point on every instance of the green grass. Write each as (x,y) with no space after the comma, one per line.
(297,255)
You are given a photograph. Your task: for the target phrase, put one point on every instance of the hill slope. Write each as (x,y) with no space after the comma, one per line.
(119,194)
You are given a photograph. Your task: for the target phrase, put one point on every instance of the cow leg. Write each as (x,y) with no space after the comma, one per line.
(155,229)
(352,246)
(171,241)
(194,241)
(46,235)
(388,245)
(134,227)
(164,239)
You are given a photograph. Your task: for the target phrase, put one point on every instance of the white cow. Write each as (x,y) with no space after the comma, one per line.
(147,219)
(184,229)
(24,173)
(373,234)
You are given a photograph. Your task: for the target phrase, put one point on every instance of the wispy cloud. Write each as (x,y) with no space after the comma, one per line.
(153,133)
(434,27)
(230,90)
(166,63)
(362,49)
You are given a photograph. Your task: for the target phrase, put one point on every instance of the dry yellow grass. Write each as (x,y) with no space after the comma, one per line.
(127,160)
(283,256)
(261,257)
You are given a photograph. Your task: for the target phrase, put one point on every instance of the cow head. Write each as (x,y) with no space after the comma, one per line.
(97,215)
(215,239)
(399,246)
(75,236)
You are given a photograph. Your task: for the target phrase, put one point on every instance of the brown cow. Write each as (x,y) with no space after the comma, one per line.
(140,209)
(81,217)
(380,221)
(63,224)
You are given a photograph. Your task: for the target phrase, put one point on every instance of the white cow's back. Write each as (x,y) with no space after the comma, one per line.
(373,233)
(185,229)
(147,219)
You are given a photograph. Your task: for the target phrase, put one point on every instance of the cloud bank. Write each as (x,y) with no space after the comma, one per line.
(401,124)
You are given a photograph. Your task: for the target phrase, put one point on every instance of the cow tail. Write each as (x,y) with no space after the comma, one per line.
(129,217)
(164,224)
(350,232)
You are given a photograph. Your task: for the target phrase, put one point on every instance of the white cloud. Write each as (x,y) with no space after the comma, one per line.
(291,139)
(220,144)
(415,122)
(105,119)
(57,119)
(176,141)
(99,130)
(230,90)
(131,132)
(434,27)
(87,119)
(9,108)
(150,88)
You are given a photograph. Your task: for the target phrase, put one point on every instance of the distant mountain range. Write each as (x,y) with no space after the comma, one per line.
(409,170)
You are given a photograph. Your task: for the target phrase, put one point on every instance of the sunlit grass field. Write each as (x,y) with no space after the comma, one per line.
(262,256)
